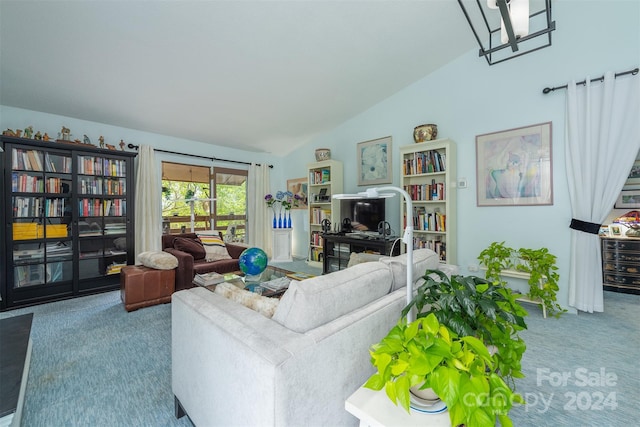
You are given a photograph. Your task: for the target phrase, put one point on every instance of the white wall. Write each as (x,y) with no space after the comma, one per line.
(468,98)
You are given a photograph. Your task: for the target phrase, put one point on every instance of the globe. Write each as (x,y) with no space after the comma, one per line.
(253,261)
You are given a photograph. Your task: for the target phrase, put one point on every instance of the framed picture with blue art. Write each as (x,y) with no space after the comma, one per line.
(514,167)
(374,162)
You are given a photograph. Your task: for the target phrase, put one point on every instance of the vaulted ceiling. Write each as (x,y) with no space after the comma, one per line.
(262,76)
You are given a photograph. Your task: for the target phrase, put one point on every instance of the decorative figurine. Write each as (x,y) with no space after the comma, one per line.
(111,147)
(122,145)
(8,132)
(18,133)
(28,132)
(38,136)
(46,137)
(66,133)
(101,140)
(86,139)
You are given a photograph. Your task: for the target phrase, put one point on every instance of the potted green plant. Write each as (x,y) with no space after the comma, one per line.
(459,369)
(473,306)
(466,316)
(540,264)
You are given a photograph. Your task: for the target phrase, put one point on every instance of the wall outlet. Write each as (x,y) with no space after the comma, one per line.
(473,267)
(462,183)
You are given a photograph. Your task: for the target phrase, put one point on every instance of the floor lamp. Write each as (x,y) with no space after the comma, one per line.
(407,238)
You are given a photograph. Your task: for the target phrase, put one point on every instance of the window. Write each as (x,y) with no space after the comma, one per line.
(230,192)
(182,182)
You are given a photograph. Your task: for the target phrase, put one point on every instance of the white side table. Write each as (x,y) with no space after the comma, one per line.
(374,409)
(281,251)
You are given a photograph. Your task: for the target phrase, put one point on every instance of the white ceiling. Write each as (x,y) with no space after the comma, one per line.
(255,75)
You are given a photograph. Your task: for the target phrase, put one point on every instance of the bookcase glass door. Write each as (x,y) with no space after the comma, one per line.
(42,253)
(102,225)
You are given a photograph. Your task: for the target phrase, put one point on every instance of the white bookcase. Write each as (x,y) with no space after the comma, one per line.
(325,180)
(428,174)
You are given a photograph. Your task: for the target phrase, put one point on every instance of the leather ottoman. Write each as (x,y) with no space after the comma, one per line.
(142,286)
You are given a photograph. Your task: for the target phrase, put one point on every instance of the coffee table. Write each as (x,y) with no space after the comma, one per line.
(252,283)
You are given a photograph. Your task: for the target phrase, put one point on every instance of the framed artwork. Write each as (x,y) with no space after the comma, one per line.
(300,187)
(514,167)
(634,175)
(628,199)
(615,230)
(374,162)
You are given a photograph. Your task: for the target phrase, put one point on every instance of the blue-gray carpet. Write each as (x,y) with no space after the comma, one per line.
(94,364)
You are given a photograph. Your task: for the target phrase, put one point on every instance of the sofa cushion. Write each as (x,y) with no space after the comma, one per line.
(158,260)
(359,257)
(313,302)
(190,246)
(423,260)
(214,246)
(263,305)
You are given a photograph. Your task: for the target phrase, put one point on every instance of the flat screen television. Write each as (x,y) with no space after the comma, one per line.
(363,214)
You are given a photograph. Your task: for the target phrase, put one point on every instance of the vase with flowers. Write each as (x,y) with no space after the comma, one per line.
(283,200)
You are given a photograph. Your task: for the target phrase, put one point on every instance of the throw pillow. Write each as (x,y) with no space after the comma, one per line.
(314,302)
(423,259)
(158,260)
(360,257)
(190,246)
(263,305)
(214,246)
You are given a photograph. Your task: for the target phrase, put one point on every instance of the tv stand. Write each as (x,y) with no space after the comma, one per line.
(338,248)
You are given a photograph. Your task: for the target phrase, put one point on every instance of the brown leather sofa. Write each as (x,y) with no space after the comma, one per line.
(188,267)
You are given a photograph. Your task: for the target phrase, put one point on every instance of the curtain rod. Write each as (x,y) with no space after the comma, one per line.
(599,79)
(135,147)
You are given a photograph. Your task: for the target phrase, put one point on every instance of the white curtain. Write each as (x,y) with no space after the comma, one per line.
(259,221)
(148,204)
(602,142)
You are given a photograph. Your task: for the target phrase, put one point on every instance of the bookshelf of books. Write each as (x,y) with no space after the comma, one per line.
(325,180)
(428,174)
(69,220)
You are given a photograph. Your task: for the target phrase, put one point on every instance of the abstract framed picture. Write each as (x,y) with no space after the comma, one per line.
(514,167)
(299,186)
(374,162)
(628,199)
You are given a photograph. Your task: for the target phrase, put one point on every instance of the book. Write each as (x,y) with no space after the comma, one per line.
(207,279)
(276,284)
(300,276)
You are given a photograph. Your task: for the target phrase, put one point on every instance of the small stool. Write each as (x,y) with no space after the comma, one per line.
(142,286)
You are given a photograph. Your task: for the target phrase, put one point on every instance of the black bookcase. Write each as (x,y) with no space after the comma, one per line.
(68,217)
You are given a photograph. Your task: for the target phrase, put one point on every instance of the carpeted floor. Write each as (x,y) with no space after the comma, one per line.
(94,364)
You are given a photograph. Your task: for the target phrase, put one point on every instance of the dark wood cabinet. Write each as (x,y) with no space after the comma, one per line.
(621,264)
(338,248)
(68,220)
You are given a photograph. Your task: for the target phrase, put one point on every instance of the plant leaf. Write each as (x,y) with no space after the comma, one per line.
(375,382)
(402,385)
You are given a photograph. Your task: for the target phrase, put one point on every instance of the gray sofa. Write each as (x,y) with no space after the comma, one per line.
(234,366)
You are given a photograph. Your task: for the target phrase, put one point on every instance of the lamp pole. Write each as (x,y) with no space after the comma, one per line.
(407,238)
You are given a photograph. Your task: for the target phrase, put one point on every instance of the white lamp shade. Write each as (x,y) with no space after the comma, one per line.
(519,14)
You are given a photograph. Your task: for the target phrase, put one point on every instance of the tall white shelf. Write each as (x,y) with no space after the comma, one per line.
(325,176)
(428,174)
